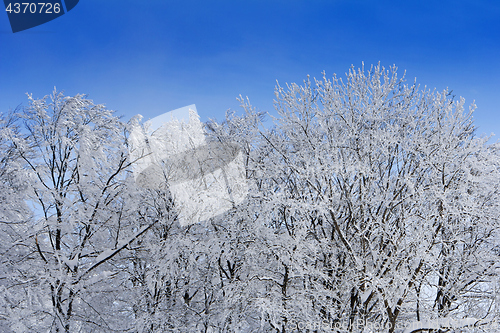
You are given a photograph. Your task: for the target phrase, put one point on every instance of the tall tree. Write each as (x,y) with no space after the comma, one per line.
(382,203)
(75,155)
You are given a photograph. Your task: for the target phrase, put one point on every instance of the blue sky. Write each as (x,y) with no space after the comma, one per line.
(153,56)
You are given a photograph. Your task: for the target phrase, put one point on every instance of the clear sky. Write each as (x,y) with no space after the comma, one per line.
(153,56)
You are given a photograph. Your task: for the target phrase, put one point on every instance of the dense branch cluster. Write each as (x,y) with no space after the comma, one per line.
(371,206)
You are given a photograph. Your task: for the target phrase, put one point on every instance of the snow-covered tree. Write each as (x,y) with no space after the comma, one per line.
(372,206)
(14,211)
(74,157)
(382,203)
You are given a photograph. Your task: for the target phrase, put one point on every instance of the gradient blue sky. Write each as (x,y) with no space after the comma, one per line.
(152,56)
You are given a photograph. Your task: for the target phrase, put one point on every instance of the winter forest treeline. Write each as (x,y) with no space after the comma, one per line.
(371,205)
